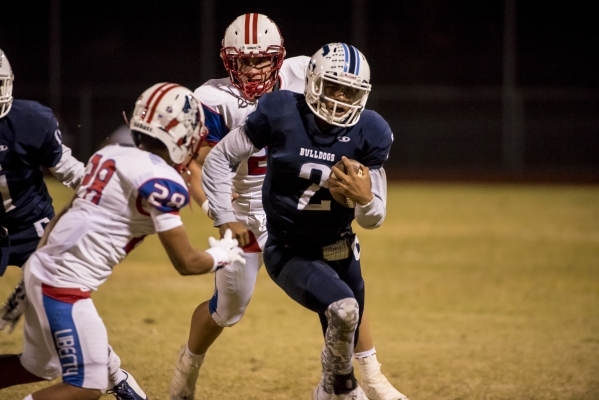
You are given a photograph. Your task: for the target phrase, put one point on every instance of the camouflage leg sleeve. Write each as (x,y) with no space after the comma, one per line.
(342,317)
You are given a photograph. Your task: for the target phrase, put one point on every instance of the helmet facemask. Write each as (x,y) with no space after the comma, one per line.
(253,39)
(6,80)
(253,84)
(333,111)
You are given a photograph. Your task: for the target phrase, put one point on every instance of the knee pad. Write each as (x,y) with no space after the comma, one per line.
(227,321)
(343,314)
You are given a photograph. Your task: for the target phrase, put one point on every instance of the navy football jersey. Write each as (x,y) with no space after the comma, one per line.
(29,139)
(298,204)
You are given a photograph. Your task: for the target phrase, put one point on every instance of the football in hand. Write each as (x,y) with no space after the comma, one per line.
(339,198)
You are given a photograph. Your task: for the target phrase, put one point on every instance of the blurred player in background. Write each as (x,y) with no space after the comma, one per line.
(311,251)
(126,194)
(253,55)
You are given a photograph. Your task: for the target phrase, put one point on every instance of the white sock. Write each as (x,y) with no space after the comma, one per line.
(369,366)
(115,373)
(366,353)
(197,358)
(28,397)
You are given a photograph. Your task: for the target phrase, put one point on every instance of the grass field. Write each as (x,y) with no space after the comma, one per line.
(474,292)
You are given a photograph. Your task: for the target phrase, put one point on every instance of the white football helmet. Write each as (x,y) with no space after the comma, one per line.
(340,64)
(170,113)
(252,36)
(6,79)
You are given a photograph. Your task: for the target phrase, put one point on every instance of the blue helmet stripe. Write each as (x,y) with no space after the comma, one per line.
(352,59)
(357,60)
(345,54)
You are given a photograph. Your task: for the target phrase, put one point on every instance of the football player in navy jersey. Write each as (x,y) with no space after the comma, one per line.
(29,139)
(311,251)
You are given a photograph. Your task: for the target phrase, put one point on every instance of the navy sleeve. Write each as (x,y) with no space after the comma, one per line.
(42,137)
(257,126)
(379,142)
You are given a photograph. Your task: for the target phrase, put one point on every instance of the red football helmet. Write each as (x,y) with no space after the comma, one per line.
(252,52)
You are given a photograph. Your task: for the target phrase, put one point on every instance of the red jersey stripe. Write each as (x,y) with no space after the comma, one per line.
(66,295)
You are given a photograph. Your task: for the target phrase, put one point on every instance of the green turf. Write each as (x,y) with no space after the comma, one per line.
(474,292)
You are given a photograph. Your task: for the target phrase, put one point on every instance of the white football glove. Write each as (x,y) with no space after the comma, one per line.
(225,251)
(13,308)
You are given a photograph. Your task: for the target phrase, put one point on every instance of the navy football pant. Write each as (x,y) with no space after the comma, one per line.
(311,281)
(16,248)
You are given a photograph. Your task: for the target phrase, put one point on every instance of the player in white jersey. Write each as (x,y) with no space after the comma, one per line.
(127,193)
(253,55)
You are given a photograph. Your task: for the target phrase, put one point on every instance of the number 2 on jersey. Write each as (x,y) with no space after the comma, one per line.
(304,201)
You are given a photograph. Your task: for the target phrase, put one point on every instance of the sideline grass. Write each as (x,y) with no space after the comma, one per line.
(474,292)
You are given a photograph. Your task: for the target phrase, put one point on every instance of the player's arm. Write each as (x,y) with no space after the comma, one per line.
(229,152)
(57,157)
(195,189)
(68,170)
(371,215)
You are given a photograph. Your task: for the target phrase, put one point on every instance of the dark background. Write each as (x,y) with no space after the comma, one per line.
(437,72)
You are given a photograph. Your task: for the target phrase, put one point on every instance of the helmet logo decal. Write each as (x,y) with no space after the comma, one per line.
(325,50)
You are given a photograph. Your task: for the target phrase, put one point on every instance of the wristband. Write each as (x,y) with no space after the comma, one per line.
(220,257)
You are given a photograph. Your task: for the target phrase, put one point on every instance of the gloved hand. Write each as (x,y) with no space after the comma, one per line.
(225,251)
(13,308)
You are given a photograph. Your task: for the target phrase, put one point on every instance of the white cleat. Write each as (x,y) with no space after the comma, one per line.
(185,376)
(375,384)
(127,389)
(356,394)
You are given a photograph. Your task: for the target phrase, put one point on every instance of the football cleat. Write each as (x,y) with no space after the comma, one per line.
(375,384)
(185,376)
(127,389)
(320,394)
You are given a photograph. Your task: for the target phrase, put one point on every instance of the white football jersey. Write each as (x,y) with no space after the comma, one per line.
(225,108)
(126,194)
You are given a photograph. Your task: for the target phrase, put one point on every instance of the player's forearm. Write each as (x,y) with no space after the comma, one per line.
(195,188)
(185,259)
(372,214)
(217,170)
(196,262)
(69,170)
